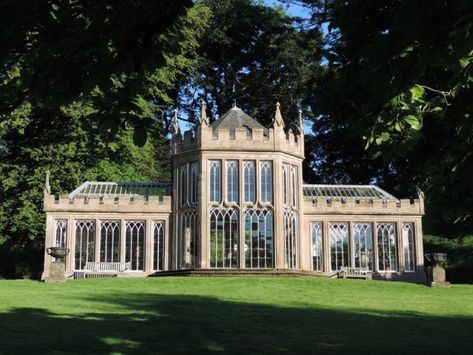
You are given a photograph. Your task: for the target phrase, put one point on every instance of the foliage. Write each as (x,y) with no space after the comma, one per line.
(234,315)
(399,75)
(54,52)
(459,252)
(253,54)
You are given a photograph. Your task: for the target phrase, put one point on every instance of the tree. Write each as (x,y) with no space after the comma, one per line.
(253,54)
(400,76)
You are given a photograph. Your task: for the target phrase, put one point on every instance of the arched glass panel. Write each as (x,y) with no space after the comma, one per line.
(258,238)
(408,246)
(61,233)
(250,186)
(215,180)
(223,238)
(285,184)
(363,244)
(183,184)
(188,241)
(266,173)
(387,251)
(194,183)
(338,234)
(85,243)
(232,181)
(294,186)
(110,241)
(290,246)
(317,250)
(158,245)
(135,244)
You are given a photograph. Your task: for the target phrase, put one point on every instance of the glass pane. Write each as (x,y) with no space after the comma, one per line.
(258,238)
(232,181)
(338,234)
(387,250)
(110,241)
(266,173)
(408,246)
(135,244)
(363,245)
(317,251)
(250,188)
(215,180)
(85,243)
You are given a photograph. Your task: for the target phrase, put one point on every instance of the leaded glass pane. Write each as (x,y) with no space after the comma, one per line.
(290,246)
(250,186)
(194,183)
(408,246)
(215,181)
(338,234)
(135,244)
(266,173)
(223,238)
(285,184)
(363,245)
(110,241)
(232,181)
(61,233)
(258,238)
(158,245)
(188,241)
(183,184)
(317,251)
(387,250)
(85,243)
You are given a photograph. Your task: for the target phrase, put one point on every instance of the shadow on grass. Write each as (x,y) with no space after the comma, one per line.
(193,324)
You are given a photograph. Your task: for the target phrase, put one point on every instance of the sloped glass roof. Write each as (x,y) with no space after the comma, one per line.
(118,189)
(356,192)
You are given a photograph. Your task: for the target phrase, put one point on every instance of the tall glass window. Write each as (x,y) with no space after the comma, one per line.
(232,181)
(408,246)
(158,245)
(258,238)
(188,241)
(285,184)
(250,183)
(317,251)
(294,186)
(387,251)
(223,238)
(194,183)
(290,245)
(363,244)
(266,173)
(85,243)
(110,241)
(215,180)
(61,233)
(338,234)
(135,244)
(183,184)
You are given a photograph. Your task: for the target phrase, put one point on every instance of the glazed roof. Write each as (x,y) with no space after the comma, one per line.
(121,189)
(355,192)
(236,118)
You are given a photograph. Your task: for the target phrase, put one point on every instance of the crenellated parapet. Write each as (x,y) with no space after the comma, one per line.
(364,206)
(105,204)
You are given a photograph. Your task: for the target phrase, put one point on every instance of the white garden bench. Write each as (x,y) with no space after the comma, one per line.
(94,269)
(355,273)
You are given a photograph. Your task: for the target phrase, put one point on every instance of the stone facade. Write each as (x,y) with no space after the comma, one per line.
(237,202)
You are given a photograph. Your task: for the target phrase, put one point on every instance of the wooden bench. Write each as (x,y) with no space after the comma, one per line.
(102,269)
(355,273)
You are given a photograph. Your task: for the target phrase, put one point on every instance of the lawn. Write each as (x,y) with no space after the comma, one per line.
(234,315)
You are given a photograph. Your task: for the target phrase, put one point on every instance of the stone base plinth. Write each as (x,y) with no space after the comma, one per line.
(56,272)
(440,284)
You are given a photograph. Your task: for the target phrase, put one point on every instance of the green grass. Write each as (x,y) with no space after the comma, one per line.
(234,315)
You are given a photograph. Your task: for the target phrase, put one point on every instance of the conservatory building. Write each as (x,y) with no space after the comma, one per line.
(236,204)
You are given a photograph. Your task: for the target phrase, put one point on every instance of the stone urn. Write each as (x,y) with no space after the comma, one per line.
(435,268)
(58,267)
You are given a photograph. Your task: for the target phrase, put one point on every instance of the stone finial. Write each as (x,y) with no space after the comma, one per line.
(300,123)
(203,113)
(47,187)
(175,124)
(234,104)
(278,121)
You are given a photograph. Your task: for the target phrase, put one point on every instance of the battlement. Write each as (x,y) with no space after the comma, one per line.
(64,203)
(363,206)
(239,139)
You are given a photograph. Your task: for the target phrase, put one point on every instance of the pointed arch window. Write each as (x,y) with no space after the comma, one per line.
(232,181)
(294,187)
(266,174)
(290,242)
(250,181)
(188,241)
(317,251)
(135,244)
(158,245)
(85,243)
(183,184)
(215,181)
(61,233)
(285,184)
(258,238)
(224,238)
(408,246)
(387,251)
(194,182)
(338,235)
(363,245)
(110,241)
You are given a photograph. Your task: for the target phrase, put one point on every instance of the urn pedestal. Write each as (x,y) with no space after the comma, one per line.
(58,267)
(435,269)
